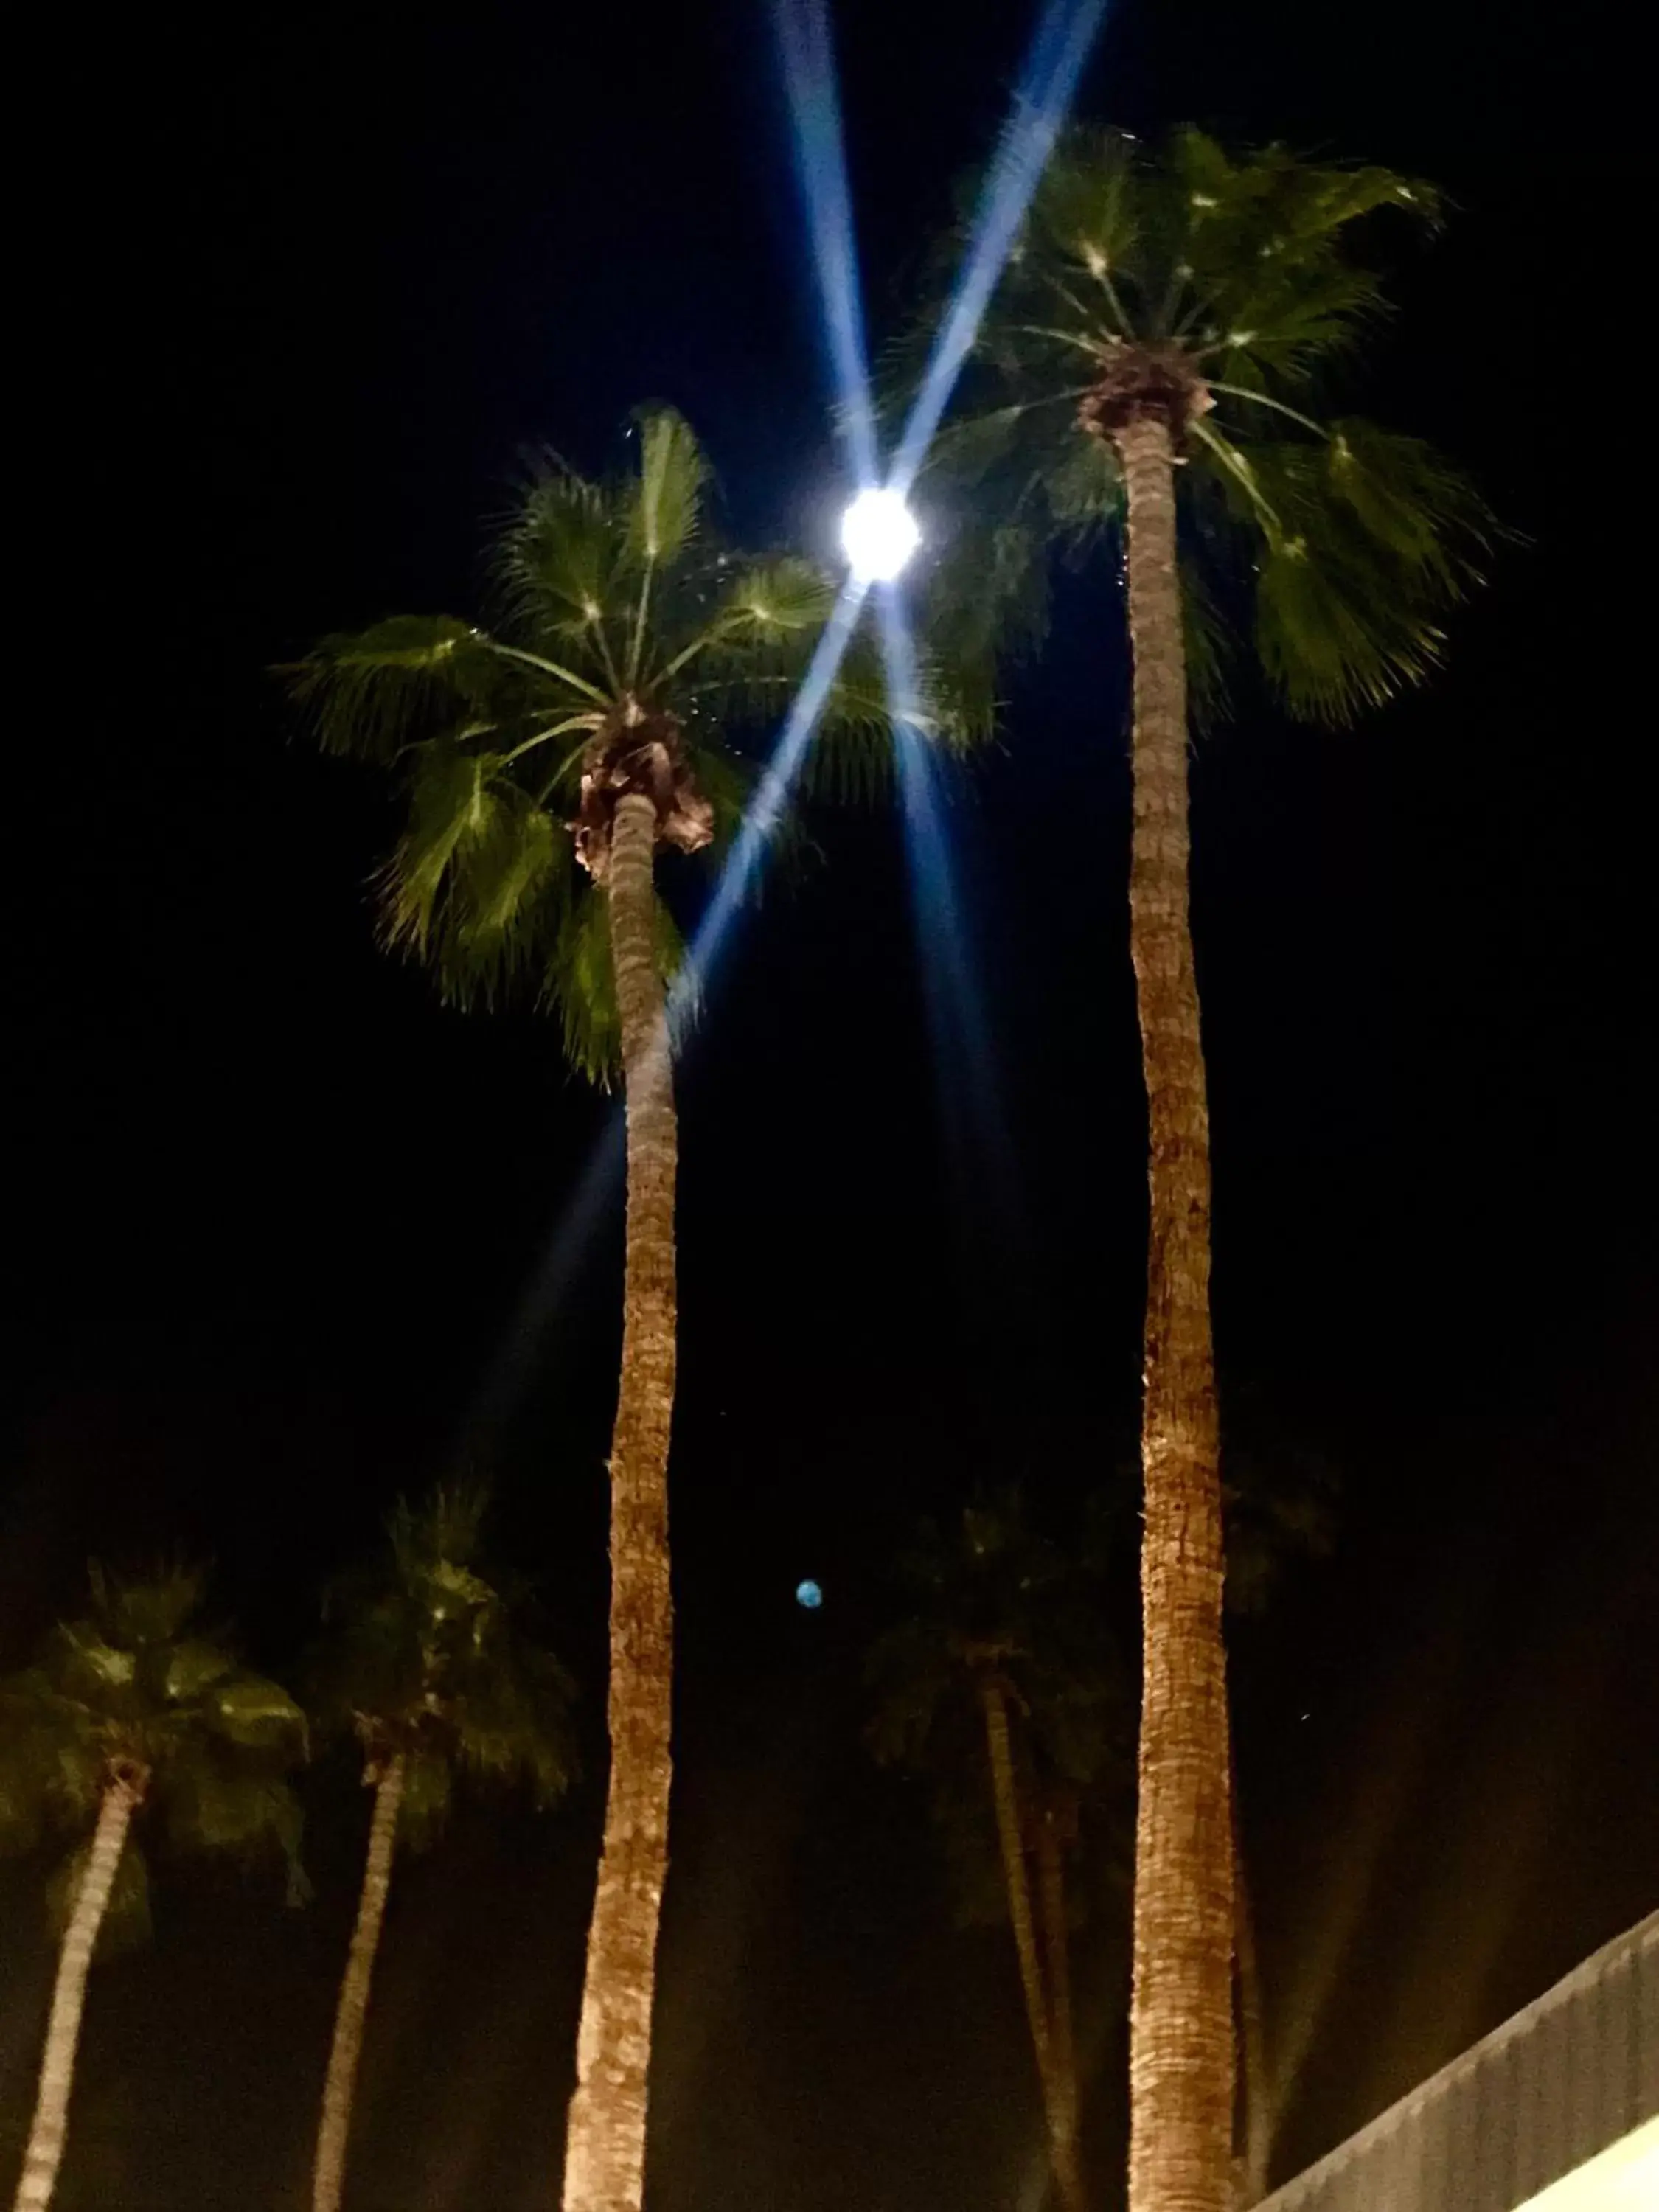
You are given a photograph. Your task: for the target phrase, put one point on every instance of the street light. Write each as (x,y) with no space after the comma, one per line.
(878,534)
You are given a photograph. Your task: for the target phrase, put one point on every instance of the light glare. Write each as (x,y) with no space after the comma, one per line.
(878,534)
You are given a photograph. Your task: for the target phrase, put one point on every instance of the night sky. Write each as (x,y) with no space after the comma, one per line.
(302,286)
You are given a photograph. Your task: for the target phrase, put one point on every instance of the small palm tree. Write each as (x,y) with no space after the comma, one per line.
(999,1684)
(135,1709)
(1153,371)
(425,1667)
(545,764)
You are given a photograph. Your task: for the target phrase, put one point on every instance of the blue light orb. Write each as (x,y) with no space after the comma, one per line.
(809,1594)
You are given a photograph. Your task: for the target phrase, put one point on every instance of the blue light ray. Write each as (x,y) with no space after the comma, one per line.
(764,815)
(581,1217)
(807,52)
(1065,33)
(578,1228)
(971,1092)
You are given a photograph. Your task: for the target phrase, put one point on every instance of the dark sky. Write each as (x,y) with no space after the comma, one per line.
(304,284)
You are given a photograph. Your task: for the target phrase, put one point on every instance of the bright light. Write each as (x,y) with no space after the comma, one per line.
(878,534)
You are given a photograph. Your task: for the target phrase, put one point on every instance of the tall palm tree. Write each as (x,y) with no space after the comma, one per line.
(425,1664)
(133,1711)
(998,1683)
(545,764)
(1154,369)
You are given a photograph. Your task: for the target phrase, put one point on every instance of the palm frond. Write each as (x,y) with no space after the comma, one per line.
(1210,645)
(561,564)
(578,983)
(142,1684)
(613,595)
(424,1658)
(477,884)
(1380,539)
(1087,207)
(666,505)
(372,692)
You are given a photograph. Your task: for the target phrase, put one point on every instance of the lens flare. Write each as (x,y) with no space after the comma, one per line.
(764,815)
(807,55)
(878,534)
(1065,33)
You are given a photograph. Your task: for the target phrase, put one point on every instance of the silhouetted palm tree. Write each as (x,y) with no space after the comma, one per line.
(999,1683)
(135,1711)
(425,1665)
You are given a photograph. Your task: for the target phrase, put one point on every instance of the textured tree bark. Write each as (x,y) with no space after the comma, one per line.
(605,2148)
(1057,1952)
(1181,2031)
(334,2130)
(45,2153)
(1005,1796)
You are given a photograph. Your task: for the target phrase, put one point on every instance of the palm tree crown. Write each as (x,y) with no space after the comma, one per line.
(139,1693)
(631,648)
(1220,297)
(426,1659)
(990,1595)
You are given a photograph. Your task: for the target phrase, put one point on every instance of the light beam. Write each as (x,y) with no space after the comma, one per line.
(1065,32)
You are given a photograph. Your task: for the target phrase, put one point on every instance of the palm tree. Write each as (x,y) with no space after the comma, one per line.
(568,746)
(998,1682)
(1153,369)
(135,1709)
(425,1666)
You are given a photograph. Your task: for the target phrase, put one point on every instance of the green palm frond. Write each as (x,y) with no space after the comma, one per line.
(581,986)
(1210,647)
(666,506)
(441,1534)
(479,882)
(614,599)
(1338,548)
(559,559)
(375,692)
(1378,540)
(141,1684)
(424,1655)
(1087,210)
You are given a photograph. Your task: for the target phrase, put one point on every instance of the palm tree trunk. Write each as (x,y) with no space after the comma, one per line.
(1258,2129)
(45,2145)
(1181,2031)
(334,2132)
(604,2151)
(1005,1797)
(1057,1950)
